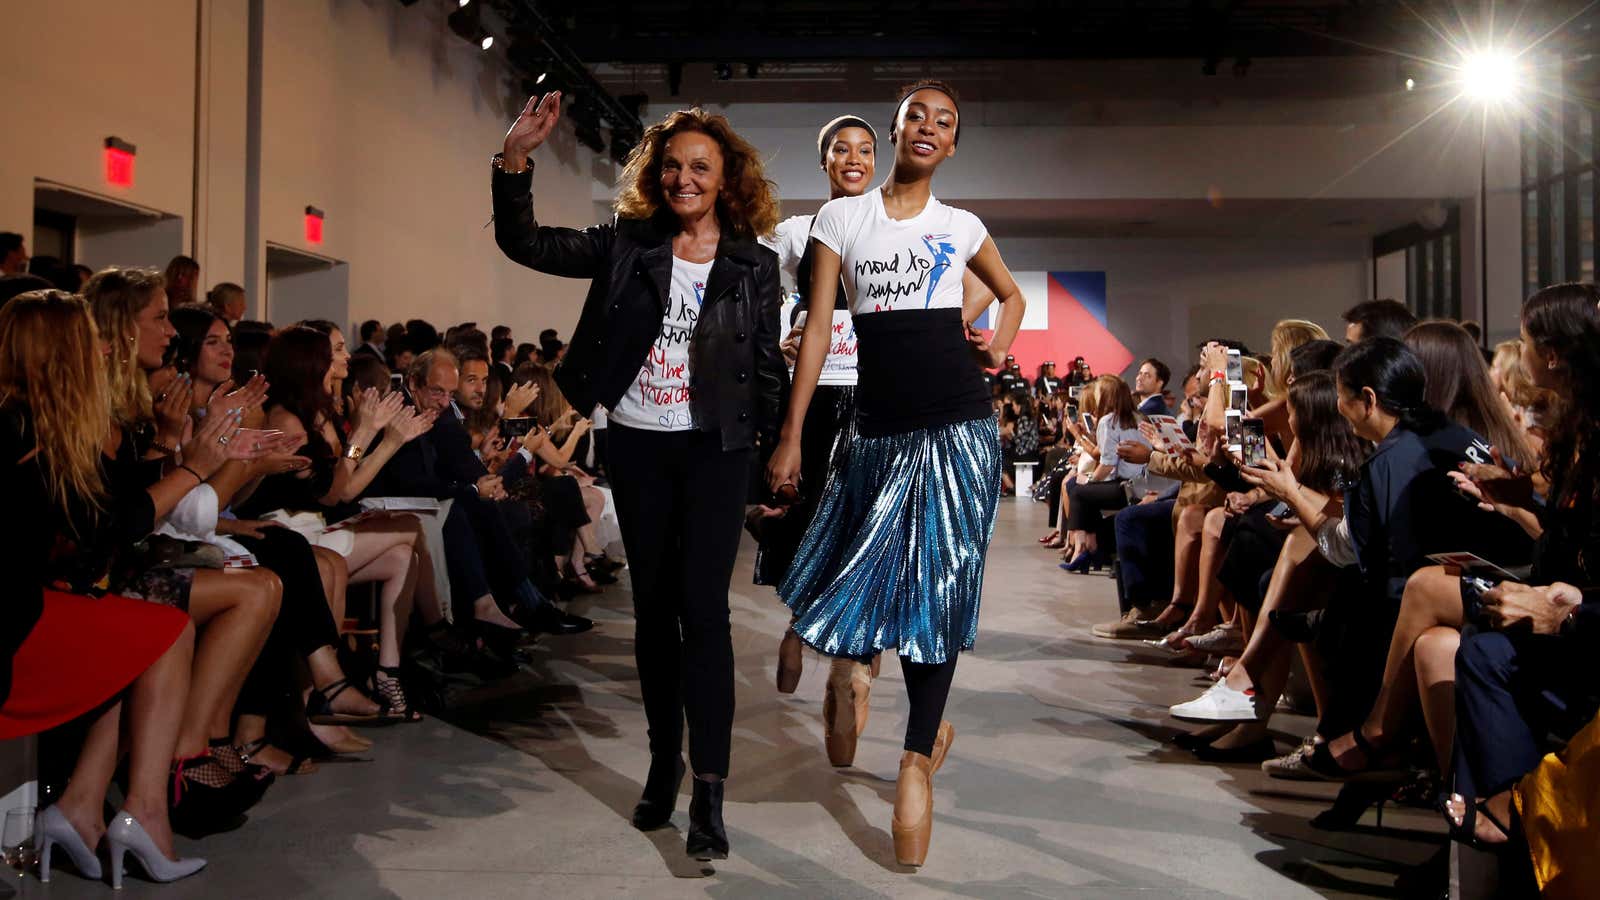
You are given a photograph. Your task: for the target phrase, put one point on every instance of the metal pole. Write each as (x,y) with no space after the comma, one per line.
(1483,231)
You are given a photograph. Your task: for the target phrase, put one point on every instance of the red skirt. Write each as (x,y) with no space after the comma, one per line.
(82,652)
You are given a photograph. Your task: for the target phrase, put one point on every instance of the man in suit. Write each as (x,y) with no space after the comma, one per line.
(1150,386)
(372,338)
(485,563)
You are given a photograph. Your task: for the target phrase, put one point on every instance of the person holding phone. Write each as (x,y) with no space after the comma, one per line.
(678,339)
(1114,423)
(894,557)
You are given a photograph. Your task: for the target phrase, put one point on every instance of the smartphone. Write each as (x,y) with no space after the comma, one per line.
(1087,421)
(1280,511)
(1074,391)
(516,426)
(396,381)
(1072,410)
(1254,441)
(1235,432)
(1235,366)
(1238,396)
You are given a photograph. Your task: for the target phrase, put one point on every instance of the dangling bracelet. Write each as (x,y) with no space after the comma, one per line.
(197,476)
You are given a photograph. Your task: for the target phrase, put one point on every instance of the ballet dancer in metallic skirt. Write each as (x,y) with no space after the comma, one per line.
(894,555)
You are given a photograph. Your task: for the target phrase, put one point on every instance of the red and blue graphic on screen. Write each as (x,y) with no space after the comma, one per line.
(1071,323)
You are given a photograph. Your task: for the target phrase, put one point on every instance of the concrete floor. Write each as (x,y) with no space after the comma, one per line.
(1058,783)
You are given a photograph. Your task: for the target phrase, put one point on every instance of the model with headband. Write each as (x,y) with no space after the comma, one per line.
(846,150)
(894,555)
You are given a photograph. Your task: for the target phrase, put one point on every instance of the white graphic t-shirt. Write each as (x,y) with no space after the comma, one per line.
(789,241)
(914,263)
(658,399)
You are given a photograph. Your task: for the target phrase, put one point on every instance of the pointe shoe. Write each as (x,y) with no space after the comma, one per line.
(844,709)
(913,790)
(51,829)
(941,745)
(789,662)
(126,835)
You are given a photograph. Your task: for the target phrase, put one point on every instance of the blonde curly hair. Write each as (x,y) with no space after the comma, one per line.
(748,203)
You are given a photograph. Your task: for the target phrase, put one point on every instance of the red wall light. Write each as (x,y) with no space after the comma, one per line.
(119,162)
(313,225)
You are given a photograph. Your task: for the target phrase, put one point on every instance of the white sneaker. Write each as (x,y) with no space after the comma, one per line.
(1220,704)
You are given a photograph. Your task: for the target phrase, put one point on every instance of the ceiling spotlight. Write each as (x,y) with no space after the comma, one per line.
(1489,75)
(1411,84)
(467,26)
(723,71)
(461,3)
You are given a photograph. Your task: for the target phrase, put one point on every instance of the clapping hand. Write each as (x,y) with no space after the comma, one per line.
(408,424)
(224,398)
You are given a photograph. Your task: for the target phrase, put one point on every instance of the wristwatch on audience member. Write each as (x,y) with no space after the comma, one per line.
(355,452)
(498,163)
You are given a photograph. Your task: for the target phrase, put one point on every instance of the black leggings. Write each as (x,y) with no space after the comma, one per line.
(928,687)
(680,504)
(304,624)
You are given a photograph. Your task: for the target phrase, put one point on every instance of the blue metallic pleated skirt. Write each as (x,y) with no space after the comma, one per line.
(894,555)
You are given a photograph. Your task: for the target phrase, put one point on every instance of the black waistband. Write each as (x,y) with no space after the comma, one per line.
(916,370)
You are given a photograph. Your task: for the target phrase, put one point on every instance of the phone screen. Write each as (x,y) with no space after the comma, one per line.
(1087,421)
(517,426)
(1254,432)
(1238,396)
(1235,366)
(1235,431)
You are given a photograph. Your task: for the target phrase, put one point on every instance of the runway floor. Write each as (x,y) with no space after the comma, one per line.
(1058,784)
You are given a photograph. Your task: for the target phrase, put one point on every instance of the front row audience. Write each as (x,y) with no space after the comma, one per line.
(1419,550)
(201,516)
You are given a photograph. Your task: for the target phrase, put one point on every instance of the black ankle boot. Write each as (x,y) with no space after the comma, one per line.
(708,839)
(660,795)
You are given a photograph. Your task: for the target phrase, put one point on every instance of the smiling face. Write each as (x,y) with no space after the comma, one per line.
(153,332)
(851,162)
(691,174)
(925,130)
(214,365)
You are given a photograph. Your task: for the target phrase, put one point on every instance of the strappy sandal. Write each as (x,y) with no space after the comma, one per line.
(391,696)
(298,765)
(1467,831)
(1322,763)
(320,711)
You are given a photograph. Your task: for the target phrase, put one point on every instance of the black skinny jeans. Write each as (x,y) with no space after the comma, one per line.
(1091,499)
(680,503)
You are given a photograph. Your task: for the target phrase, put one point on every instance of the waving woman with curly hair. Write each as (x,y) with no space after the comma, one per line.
(678,339)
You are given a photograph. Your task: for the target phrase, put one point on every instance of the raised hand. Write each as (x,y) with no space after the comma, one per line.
(538,118)
(213,444)
(519,398)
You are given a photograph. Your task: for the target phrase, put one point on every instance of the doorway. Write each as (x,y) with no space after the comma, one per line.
(303,285)
(81,226)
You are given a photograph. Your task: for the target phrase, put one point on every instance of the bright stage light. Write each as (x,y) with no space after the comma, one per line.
(1489,75)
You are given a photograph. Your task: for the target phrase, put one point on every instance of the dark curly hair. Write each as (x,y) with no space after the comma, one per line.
(746,207)
(1563,319)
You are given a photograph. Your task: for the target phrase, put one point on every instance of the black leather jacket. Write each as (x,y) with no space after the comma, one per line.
(738,375)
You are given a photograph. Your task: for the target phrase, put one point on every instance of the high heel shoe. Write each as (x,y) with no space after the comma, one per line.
(51,829)
(911,838)
(708,837)
(660,797)
(126,835)
(205,799)
(1079,564)
(789,662)
(1352,802)
(845,709)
